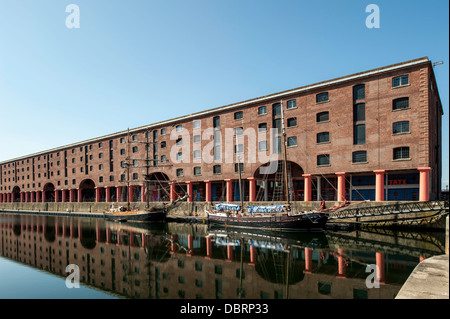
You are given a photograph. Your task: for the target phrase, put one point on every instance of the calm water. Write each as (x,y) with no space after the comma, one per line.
(176,261)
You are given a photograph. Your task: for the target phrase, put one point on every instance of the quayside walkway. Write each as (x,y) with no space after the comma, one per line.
(429,280)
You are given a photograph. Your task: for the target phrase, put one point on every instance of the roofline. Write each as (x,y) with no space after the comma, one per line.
(282,94)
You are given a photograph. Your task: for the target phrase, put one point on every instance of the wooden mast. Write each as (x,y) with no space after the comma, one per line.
(285,154)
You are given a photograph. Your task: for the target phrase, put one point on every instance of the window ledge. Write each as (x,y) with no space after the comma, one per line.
(359,163)
(405,133)
(324,165)
(402,159)
(401,86)
(404,109)
(320,143)
(322,102)
(323,122)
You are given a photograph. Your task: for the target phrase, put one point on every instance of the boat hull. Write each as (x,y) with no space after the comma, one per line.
(307,221)
(137,217)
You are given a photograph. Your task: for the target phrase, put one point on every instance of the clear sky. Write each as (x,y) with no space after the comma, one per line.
(136,62)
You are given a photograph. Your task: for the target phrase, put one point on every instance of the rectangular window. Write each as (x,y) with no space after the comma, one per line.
(236,167)
(238,115)
(323,159)
(292,122)
(178,128)
(291,104)
(262,110)
(179,156)
(359,134)
(179,172)
(197,171)
(400,127)
(197,138)
(322,117)
(359,157)
(401,153)
(359,92)
(400,104)
(239,148)
(262,146)
(359,112)
(197,124)
(322,97)
(197,154)
(163,158)
(163,131)
(216,121)
(238,131)
(400,81)
(262,127)
(217,152)
(292,141)
(276,109)
(323,137)
(217,169)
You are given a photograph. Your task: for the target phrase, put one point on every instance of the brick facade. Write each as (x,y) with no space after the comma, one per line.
(96,164)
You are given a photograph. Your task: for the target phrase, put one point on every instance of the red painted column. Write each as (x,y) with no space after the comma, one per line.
(424,186)
(379,185)
(252,256)
(229,190)
(97,194)
(208,194)
(380,260)
(143,197)
(64,195)
(252,189)
(230,256)
(308,261)
(80,199)
(341,264)
(56,196)
(130,193)
(108,194)
(38,196)
(190,192)
(173,194)
(208,248)
(119,193)
(190,245)
(341,187)
(71,195)
(308,188)
(43,194)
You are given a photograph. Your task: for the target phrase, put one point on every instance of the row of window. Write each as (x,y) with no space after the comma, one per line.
(399,153)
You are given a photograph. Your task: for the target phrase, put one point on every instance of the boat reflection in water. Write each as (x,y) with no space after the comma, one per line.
(173,260)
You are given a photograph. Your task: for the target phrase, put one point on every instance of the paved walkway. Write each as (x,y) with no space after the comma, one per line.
(429,280)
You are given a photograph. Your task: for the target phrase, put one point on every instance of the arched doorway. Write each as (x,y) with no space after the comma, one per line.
(16,194)
(271,182)
(158,187)
(49,192)
(87,187)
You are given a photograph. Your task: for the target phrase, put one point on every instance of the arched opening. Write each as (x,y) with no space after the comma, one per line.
(16,194)
(158,187)
(271,182)
(49,192)
(87,187)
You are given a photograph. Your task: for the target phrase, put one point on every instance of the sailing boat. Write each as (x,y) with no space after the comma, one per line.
(272,217)
(148,214)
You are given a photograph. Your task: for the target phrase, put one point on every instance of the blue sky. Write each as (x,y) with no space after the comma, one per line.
(134,62)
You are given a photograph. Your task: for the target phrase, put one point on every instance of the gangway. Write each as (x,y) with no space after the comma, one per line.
(399,213)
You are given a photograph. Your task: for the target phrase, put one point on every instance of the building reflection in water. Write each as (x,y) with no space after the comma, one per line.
(192,261)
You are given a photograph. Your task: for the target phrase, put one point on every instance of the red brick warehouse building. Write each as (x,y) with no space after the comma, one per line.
(372,135)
